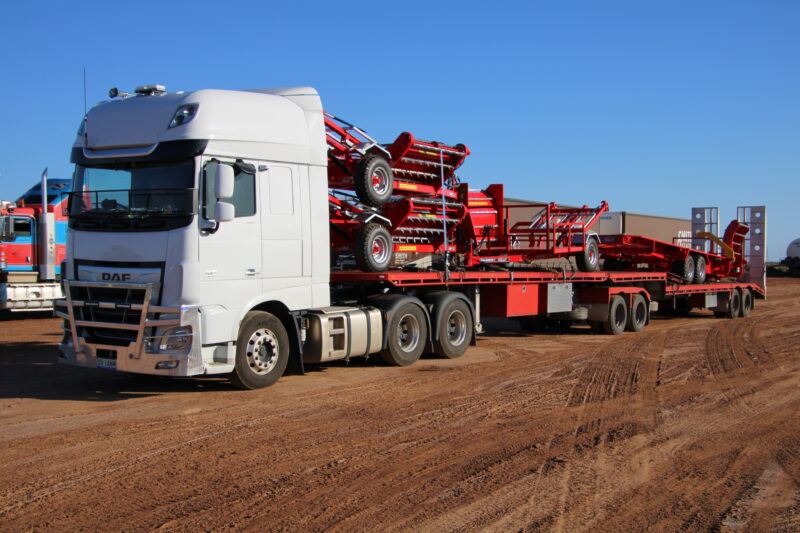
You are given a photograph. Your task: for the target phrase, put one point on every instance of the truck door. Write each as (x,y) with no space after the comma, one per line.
(230,252)
(20,254)
(282,225)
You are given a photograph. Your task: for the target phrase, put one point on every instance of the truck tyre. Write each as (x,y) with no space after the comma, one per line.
(373,248)
(455,330)
(734,304)
(699,269)
(685,269)
(637,317)
(373,180)
(589,259)
(617,316)
(407,333)
(262,351)
(747,303)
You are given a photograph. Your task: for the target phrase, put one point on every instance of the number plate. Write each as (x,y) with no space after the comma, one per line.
(106,363)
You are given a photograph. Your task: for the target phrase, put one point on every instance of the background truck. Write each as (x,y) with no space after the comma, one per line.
(202,227)
(32,246)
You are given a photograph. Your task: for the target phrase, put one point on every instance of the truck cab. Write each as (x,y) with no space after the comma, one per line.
(31,252)
(188,211)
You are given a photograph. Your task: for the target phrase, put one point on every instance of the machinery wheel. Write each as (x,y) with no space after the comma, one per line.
(685,269)
(589,259)
(373,180)
(637,318)
(455,330)
(407,334)
(617,316)
(373,248)
(747,303)
(699,269)
(734,304)
(262,351)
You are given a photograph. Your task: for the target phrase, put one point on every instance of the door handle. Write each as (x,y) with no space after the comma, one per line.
(251,271)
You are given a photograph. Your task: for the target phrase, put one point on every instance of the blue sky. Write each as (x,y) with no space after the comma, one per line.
(653,106)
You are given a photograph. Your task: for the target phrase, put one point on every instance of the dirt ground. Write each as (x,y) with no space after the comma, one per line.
(691,425)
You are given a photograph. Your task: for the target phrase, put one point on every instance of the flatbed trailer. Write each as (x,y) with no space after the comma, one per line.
(609,301)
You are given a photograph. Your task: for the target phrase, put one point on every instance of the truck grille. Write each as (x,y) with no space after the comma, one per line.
(108,306)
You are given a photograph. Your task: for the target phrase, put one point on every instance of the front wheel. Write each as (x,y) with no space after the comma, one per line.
(262,351)
(699,269)
(455,330)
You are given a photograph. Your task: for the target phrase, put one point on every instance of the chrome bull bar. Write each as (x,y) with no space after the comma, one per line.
(133,357)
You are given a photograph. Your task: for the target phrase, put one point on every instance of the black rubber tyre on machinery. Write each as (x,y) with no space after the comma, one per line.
(262,351)
(685,269)
(617,316)
(637,315)
(734,304)
(407,334)
(373,180)
(455,330)
(589,259)
(747,303)
(373,248)
(699,269)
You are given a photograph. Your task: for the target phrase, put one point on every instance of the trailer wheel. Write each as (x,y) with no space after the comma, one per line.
(747,303)
(262,351)
(589,259)
(373,248)
(455,330)
(734,304)
(373,180)
(617,316)
(682,307)
(637,317)
(685,269)
(699,269)
(407,333)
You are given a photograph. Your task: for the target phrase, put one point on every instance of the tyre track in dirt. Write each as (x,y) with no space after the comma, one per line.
(567,432)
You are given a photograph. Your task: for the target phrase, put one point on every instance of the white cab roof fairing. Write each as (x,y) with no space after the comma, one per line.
(275,124)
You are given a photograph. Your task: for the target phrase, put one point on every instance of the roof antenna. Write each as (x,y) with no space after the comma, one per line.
(84,91)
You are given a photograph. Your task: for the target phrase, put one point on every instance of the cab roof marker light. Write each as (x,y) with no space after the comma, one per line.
(149,90)
(183,114)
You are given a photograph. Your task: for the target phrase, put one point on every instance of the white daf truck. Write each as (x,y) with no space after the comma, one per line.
(199,243)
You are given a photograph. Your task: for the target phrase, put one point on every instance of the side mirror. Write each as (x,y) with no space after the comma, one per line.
(224,212)
(223,183)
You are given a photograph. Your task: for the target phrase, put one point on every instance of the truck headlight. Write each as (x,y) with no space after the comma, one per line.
(175,339)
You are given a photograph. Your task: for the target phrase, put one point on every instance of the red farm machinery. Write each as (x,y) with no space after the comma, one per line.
(405,198)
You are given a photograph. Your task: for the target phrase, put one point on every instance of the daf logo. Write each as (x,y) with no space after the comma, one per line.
(108,276)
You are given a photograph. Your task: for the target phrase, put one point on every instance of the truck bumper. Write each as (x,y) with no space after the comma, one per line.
(148,334)
(29,296)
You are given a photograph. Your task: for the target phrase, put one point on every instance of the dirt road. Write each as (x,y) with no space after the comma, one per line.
(691,425)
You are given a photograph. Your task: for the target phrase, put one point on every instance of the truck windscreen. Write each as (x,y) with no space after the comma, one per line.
(132,197)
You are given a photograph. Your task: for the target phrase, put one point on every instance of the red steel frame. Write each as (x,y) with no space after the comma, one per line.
(636,249)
